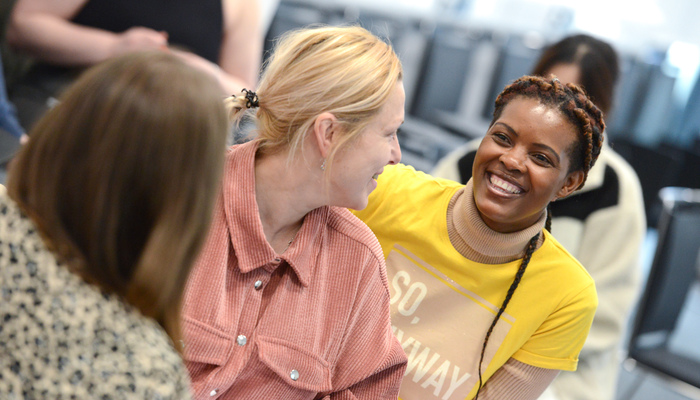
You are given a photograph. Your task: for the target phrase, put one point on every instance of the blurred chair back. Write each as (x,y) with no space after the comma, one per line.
(657,111)
(448,63)
(464,72)
(292,15)
(517,58)
(631,88)
(656,168)
(688,175)
(409,36)
(643,108)
(654,340)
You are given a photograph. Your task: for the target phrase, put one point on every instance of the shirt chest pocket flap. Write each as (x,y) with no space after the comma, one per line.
(296,366)
(205,344)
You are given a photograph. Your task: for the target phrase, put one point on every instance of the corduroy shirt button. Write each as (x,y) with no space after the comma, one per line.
(294,375)
(258,285)
(277,259)
(241,340)
(213,392)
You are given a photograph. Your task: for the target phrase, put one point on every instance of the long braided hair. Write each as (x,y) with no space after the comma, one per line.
(573,103)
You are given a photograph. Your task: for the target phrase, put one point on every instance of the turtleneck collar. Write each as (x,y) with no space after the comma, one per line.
(472,238)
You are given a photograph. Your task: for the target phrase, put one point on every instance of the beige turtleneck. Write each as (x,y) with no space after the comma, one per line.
(472,238)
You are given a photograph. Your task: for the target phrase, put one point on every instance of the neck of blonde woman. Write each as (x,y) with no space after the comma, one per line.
(285,191)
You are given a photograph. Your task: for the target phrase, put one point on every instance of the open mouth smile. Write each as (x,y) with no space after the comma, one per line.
(503,186)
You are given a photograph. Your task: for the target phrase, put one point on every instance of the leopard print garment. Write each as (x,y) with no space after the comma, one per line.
(61,338)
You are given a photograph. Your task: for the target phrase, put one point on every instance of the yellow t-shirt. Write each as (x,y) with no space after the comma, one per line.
(442,303)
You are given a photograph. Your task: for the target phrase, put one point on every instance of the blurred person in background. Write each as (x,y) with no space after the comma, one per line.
(221,37)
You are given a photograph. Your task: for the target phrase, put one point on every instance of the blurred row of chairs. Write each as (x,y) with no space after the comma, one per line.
(454,71)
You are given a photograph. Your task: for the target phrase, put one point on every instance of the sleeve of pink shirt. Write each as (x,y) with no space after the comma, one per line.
(369,336)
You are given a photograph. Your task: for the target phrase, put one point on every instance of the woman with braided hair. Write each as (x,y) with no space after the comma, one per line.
(289,299)
(485,302)
(602,225)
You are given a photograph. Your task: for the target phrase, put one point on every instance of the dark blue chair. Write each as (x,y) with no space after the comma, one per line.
(672,281)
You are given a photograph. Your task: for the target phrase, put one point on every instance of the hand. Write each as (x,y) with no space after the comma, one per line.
(139,39)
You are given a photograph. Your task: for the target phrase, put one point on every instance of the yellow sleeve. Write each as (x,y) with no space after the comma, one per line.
(563,333)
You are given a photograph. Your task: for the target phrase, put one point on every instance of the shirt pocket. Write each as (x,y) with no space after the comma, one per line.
(204,348)
(296,366)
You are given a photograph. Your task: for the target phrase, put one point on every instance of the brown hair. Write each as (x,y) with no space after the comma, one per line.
(346,71)
(586,118)
(120,177)
(597,63)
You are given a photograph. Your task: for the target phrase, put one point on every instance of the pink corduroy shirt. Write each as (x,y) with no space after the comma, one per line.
(311,323)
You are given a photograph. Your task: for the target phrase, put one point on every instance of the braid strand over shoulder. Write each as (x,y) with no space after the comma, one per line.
(531,245)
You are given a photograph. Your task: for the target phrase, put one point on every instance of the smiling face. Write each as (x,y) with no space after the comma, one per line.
(359,163)
(522,164)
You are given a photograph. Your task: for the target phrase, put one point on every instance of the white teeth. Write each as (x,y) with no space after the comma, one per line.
(505,186)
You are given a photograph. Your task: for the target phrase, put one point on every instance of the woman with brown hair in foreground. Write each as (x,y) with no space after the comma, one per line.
(106,208)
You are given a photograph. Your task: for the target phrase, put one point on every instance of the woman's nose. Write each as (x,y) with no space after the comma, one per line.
(395,152)
(514,160)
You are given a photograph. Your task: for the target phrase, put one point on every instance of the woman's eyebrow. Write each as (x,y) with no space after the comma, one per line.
(508,128)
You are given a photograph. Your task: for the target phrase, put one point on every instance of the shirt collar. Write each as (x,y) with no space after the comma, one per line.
(244,225)
(306,245)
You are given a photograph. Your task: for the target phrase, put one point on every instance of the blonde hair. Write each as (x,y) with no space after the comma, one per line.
(120,177)
(346,71)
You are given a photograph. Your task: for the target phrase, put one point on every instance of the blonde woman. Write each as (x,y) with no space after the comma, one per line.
(289,299)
